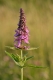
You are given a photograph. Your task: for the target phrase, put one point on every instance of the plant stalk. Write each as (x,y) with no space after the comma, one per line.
(22,67)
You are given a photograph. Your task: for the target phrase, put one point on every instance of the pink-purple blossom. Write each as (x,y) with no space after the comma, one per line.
(22,32)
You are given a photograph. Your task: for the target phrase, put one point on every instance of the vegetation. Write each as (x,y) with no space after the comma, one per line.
(39,18)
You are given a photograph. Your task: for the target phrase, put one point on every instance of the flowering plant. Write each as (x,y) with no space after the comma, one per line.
(21,39)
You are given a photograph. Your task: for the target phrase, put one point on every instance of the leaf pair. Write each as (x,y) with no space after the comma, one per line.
(13,48)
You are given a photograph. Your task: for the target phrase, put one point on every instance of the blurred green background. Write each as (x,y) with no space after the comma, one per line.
(39,18)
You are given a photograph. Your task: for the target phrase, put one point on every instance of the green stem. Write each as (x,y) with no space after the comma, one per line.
(22,67)
(21,73)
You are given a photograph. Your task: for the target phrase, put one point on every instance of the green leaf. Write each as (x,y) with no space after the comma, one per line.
(24,59)
(13,56)
(13,48)
(16,58)
(34,66)
(9,54)
(29,57)
(19,57)
(32,48)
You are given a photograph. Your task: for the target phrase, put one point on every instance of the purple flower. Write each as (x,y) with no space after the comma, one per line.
(22,32)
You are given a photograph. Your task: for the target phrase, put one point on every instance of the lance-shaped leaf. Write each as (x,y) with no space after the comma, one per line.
(9,54)
(33,66)
(19,57)
(32,48)
(13,48)
(16,58)
(13,56)
(29,57)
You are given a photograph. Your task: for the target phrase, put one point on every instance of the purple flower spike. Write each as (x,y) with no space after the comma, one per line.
(22,32)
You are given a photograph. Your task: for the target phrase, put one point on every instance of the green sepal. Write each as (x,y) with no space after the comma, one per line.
(32,48)
(29,57)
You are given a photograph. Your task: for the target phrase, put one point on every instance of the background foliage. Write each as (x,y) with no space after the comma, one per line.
(39,18)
